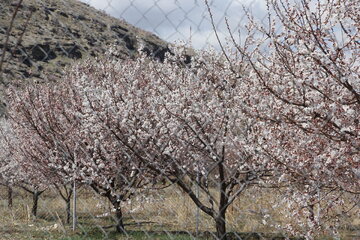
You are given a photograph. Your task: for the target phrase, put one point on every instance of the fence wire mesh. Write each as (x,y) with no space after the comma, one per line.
(90,186)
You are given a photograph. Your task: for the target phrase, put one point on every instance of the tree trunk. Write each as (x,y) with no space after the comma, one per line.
(68,210)
(221,226)
(118,217)
(66,193)
(220,218)
(34,209)
(10,197)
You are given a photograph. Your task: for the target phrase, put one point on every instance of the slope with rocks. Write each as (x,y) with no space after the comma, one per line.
(49,35)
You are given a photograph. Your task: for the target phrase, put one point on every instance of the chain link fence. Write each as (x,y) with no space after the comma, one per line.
(40,41)
(188,21)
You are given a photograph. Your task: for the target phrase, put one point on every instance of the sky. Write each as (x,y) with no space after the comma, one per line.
(184,20)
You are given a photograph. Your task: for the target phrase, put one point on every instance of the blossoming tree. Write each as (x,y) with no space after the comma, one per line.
(17,171)
(67,149)
(304,87)
(180,122)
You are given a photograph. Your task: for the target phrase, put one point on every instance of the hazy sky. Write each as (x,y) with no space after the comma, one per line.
(181,19)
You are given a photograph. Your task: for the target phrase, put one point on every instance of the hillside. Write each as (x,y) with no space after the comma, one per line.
(60,32)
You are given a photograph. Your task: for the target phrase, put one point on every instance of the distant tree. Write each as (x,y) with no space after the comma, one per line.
(47,120)
(16,170)
(6,165)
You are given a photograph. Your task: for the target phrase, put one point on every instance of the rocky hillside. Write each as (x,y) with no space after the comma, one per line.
(49,35)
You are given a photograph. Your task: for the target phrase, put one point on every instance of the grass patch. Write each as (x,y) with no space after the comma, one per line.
(133,235)
(166,214)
